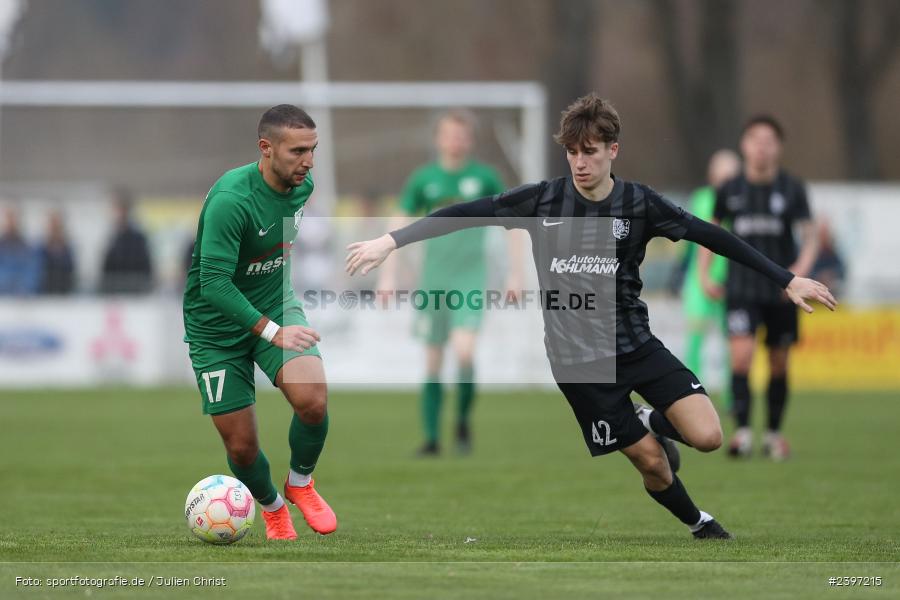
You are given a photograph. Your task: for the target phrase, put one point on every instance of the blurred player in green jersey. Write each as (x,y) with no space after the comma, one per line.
(701,312)
(240,309)
(455,262)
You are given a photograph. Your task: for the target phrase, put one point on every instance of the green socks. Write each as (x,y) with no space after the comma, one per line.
(257,477)
(466,394)
(306,443)
(432,397)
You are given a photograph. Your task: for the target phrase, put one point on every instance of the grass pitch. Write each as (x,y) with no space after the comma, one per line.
(94,484)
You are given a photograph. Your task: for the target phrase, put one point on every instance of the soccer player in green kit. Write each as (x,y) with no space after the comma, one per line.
(702,312)
(240,308)
(455,262)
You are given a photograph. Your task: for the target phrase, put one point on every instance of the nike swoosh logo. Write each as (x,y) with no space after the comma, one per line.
(546,224)
(263,232)
(696,386)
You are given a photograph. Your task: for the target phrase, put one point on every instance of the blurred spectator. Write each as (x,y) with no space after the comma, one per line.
(126,265)
(57,258)
(187,261)
(20,265)
(829,267)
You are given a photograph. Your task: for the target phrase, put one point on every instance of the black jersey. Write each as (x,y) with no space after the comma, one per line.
(764,217)
(587,256)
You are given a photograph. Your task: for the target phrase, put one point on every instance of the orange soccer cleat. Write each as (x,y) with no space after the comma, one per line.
(316,511)
(279,525)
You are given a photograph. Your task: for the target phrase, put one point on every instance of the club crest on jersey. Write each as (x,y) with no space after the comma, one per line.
(621,228)
(297,216)
(777,203)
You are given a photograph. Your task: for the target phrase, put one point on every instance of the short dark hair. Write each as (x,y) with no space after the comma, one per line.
(588,118)
(767,120)
(283,115)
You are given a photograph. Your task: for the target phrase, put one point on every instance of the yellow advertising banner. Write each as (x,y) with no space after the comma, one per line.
(856,349)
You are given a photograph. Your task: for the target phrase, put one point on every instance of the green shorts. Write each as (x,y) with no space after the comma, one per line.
(433,325)
(699,307)
(225,375)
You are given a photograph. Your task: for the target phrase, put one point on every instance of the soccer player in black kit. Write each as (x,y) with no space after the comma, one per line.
(588,230)
(762,206)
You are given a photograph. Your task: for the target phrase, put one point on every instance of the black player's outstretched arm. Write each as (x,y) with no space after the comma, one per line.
(365,256)
(723,242)
(464,215)
(516,203)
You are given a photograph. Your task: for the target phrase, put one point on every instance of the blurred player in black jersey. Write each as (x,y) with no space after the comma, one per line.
(589,233)
(762,206)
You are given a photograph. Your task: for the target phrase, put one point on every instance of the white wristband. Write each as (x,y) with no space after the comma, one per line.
(268,333)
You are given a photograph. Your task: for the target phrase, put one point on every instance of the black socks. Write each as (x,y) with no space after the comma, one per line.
(777,397)
(675,498)
(740,393)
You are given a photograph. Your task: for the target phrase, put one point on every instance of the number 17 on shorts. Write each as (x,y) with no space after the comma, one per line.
(214,380)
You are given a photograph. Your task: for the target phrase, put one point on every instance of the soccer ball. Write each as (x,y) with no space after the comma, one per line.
(219,510)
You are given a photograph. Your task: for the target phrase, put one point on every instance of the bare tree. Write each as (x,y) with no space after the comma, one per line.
(564,70)
(864,55)
(703,88)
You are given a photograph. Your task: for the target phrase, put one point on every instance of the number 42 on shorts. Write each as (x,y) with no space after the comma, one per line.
(596,429)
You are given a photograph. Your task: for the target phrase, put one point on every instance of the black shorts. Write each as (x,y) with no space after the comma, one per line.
(780,320)
(604,410)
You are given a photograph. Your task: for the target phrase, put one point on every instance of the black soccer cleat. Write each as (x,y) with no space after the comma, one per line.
(741,444)
(711,530)
(671,450)
(775,447)
(428,450)
(669,446)
(463,439)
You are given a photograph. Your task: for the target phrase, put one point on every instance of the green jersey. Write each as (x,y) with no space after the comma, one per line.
(455,261)
(696,302)
(239,268)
